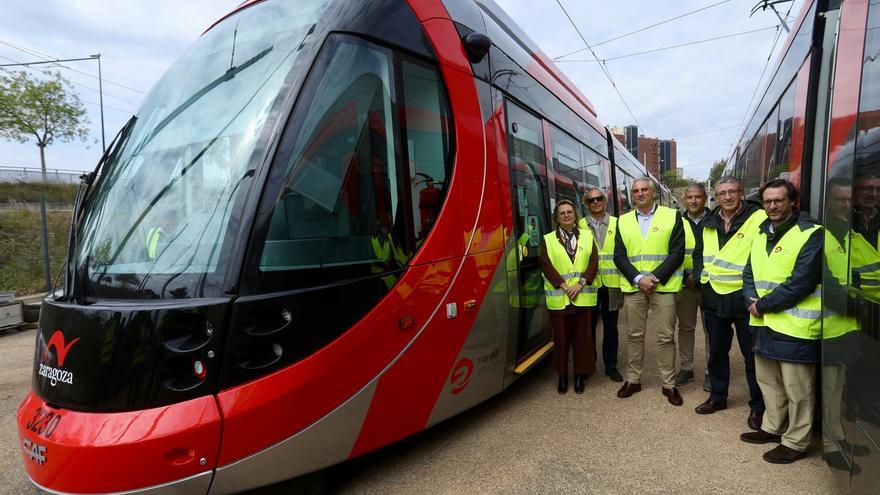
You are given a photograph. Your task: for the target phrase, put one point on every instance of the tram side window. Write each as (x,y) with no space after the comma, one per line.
(568,168)
(752,173)
(342,204)
(529,177)
(428,140)
(623,184)
(781,159)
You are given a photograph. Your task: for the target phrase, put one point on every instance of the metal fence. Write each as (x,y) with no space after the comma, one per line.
(53,175)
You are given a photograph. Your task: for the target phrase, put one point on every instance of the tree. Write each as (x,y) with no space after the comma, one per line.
(717,170)
(41,110)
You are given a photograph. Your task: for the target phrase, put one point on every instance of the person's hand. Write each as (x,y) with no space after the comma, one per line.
(753,309)
(689,281)
(572,291)
(648,284)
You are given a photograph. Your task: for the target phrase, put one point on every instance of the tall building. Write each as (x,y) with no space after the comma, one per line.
(658,155)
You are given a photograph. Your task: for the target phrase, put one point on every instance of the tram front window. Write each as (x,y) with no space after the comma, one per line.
(157,224)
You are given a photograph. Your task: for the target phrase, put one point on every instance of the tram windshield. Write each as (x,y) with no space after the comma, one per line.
(166,200)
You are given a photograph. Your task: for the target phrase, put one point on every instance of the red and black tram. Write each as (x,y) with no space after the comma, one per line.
(319,235)
(816,123)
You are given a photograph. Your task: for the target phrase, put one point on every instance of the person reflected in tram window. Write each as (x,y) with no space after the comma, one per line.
(649,252)
(603,227)
(569,262)
(687,300)
(866,232)
(781,288)
(840,344)
(719,259)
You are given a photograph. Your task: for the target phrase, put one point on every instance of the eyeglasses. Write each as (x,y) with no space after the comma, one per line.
(780,202)
(597,199)
(731,192)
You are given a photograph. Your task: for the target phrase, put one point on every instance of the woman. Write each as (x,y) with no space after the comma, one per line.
(570,261)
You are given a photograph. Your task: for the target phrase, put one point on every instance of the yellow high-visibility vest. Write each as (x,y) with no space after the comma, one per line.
(723,268)
(609,275)
(647,253)
(836,258)
(690,242)
(865,260)
(570,271)
(804,320)
(152,243)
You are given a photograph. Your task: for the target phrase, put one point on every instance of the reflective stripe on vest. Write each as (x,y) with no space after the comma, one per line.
(723,269)
(647,253)
(570,271)
(609,275)
(864,261)
(804,320)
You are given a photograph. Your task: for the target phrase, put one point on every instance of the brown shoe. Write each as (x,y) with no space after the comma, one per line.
(628,389)
(673,396)
(760,436)
(755,420)
(783,455)
(710,406)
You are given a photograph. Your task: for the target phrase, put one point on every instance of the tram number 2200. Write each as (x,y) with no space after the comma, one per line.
(44,422)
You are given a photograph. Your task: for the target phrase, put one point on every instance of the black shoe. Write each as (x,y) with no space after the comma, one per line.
(563,384)
(710,407)
(760,436)
(683,376)
(783,455)
(579,383)
(614,375)
(836,460)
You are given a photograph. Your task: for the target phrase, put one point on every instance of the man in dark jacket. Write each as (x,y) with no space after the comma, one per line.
(781,289)
(719,259)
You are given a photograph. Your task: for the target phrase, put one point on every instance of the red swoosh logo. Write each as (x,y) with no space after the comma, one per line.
(57,340)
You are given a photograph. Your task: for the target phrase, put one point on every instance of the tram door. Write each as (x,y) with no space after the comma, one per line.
(528,178)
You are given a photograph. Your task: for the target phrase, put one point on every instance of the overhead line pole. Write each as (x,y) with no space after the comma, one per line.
(97,57)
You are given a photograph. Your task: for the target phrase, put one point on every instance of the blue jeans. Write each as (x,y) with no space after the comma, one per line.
(720,339)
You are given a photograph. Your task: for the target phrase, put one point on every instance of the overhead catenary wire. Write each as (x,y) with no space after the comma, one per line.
(601,64)
(654,50)
(644,28)
(758,85)
(46,72)
(49,57)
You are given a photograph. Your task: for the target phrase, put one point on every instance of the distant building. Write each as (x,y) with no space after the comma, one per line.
(658,155)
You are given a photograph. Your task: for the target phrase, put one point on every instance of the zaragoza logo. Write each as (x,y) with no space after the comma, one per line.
(461,375)
(55,375)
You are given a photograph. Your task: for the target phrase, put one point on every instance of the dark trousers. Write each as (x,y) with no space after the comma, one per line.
(609,331)
(572,329)
(720,339)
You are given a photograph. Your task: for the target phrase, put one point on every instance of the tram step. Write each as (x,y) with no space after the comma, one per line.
(530,361)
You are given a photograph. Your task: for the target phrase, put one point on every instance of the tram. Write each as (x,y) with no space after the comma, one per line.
(817,125)
(319,235)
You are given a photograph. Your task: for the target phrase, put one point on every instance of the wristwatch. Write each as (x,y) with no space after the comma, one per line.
(583,281)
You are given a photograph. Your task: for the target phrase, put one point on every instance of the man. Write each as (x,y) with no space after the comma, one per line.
(866,232)
(648,252)
(604,227)
(719,261)
(781,281)
(687,301)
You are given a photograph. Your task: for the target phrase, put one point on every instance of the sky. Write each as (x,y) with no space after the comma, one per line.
(697,94)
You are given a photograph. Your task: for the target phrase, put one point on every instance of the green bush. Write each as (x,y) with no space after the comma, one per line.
(21,251)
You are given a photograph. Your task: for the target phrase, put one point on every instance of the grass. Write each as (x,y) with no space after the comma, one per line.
(29,192)
(21,247)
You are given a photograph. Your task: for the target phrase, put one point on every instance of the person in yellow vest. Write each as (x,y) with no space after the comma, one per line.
(781,286)
(569,262)
(719,261)
(865,255)
(649,252)
(389,256)
(152,243)
(603,227)
(687,300)
(840,342)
